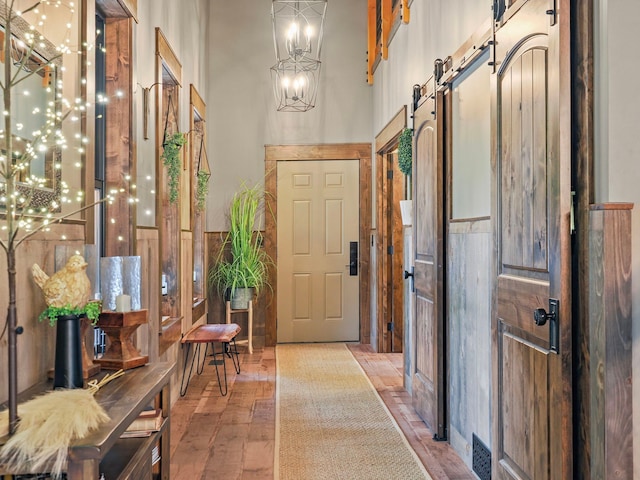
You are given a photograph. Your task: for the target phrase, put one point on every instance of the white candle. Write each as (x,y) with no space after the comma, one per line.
(123,303)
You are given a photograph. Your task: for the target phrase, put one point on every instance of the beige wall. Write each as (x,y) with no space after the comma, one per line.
(184,24)
(240,104)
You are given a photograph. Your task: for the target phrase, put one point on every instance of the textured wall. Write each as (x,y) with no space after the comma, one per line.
(240,99)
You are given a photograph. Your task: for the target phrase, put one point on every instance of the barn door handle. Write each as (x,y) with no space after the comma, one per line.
(409,275)
(540,316)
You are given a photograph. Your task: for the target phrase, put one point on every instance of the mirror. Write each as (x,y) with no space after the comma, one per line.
(35,113)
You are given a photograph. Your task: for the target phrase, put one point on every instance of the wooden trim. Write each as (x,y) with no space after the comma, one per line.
(468,52)
(168,216)
(387,22)
(164,50)
(371,39)
(385,142)
(405,11)
(197,102)
(611,206)
(118,8)
(391,131)
(354,151)
(87,122)
(119,141)
(197,218)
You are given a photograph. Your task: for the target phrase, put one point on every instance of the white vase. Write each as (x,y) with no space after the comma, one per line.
(406,210)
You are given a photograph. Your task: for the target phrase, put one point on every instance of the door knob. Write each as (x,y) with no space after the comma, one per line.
(407,274)
(540,316)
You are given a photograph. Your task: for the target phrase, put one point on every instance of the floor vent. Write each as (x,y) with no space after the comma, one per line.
(481,459)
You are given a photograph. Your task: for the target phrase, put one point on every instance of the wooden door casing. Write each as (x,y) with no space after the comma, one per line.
(531,161)
(428,377)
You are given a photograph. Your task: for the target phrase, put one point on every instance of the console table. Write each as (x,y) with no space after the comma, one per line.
(103,451)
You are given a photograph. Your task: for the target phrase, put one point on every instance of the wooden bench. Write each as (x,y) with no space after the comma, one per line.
(210,334)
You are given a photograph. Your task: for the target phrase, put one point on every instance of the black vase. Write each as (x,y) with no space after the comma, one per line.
(68,367)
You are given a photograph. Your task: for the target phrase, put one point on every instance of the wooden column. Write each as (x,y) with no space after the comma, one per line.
(610,341)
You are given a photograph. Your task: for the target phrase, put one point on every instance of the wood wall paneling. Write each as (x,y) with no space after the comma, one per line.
(469,334)
(36,346)
(148,244)
(610,325)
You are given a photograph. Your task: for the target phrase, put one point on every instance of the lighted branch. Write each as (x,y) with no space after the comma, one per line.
(22,217)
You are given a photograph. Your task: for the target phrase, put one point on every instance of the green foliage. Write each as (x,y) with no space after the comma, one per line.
(249,263)
(202,189)
(404,151)
(171,159)
(91,310)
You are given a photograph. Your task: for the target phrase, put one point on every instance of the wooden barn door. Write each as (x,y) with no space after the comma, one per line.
(532,304)
(428,378)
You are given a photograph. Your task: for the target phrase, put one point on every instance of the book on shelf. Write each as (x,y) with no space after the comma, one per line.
(147,421)
(155,455)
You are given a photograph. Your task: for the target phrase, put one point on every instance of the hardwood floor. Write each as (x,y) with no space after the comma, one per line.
(233,437)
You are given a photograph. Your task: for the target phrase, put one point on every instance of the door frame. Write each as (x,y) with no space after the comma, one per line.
(386,141)
(340,151)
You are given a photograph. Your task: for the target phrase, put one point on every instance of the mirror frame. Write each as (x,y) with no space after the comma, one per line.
(41,197)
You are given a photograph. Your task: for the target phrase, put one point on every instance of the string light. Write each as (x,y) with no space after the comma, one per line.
(49,140)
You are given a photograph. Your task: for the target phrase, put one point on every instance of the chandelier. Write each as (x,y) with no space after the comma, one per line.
(297,38)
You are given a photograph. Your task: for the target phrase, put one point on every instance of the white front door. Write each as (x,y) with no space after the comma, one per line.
(318,228)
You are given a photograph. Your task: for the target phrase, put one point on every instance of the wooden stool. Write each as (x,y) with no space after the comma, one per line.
(249,311)
(225,334)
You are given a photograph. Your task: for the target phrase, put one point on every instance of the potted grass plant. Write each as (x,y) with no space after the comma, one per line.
(241,269)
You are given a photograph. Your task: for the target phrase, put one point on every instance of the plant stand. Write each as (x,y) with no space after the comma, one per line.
(249,312)
(121,353)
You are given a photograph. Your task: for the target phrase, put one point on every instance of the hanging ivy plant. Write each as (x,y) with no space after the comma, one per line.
(171,159)
(404,151)
(202,189)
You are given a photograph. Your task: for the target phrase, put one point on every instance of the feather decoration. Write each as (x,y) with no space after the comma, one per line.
(47,426)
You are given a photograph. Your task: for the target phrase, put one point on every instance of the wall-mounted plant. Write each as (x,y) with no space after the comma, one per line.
(171,159)
(405,146)
(202,189)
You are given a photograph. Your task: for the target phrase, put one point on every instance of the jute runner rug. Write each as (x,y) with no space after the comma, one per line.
(331,423)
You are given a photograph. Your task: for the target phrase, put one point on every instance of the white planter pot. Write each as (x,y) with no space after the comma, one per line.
(406,210)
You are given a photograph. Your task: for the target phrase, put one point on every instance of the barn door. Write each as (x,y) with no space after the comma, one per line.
(428,378)
(532,304)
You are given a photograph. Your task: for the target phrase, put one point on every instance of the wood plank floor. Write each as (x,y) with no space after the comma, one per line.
(233,437)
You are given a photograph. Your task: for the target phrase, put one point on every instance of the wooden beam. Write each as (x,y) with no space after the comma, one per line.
(387,21)
(371,40)
(405,11)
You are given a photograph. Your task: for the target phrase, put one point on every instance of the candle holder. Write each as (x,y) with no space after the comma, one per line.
(119,327)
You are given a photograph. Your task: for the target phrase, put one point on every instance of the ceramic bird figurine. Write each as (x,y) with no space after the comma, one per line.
(68,286)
